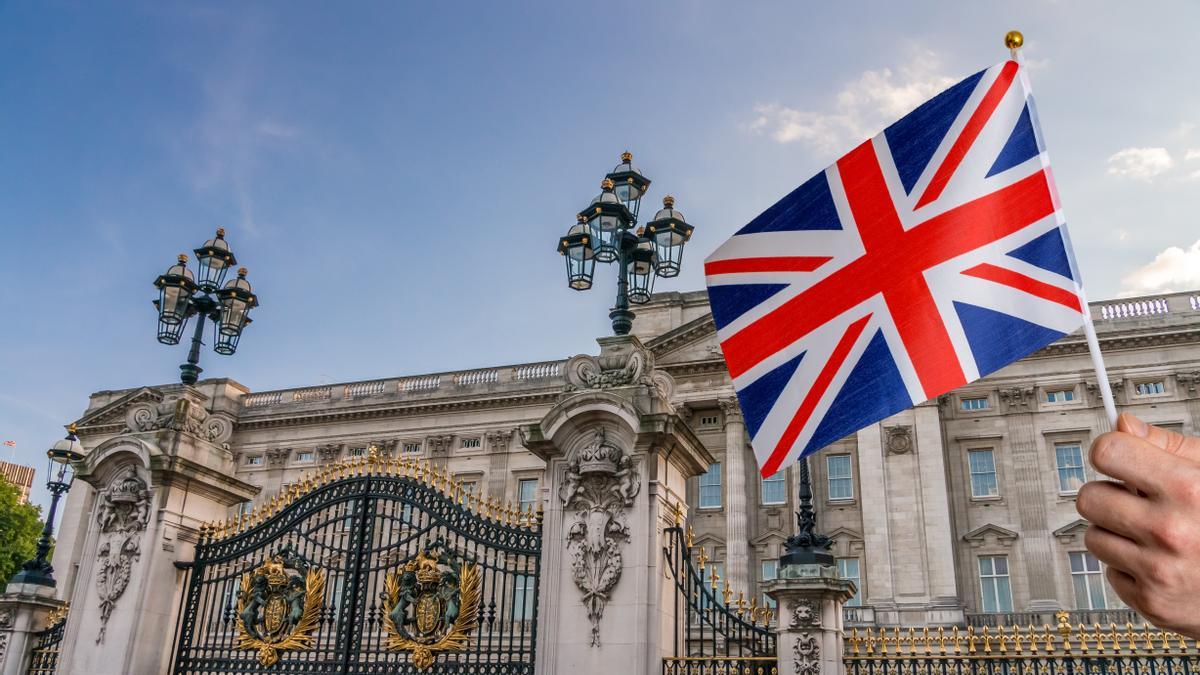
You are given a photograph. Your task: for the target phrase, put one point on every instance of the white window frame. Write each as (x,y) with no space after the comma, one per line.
(1160,384)
(1059,468)
(1067,395)
(848,478)
(411,447)
(777,481)
(768,571)
(305,457)
(993,579)
(713,470)
(360,451)
(254,460)
(470,443)
(1089,578)
(842,564)
(710,420)
(991,452)
(963,403)
(530,505)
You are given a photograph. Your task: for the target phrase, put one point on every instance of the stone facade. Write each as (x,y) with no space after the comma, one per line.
(19,475)
(909,517)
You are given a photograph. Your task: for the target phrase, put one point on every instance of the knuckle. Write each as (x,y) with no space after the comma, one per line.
(1158,573)
(1185,487)
(1172,532)
(1104,449)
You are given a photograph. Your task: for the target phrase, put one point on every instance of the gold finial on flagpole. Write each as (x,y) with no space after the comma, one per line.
(1013,40)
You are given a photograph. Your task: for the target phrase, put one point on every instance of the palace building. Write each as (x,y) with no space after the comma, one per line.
(960,510)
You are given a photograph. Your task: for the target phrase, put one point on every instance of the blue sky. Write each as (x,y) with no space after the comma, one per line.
(395,175)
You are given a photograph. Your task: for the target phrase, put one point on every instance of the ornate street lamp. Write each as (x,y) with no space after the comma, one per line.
(61,457)
(181,296)
(605,232)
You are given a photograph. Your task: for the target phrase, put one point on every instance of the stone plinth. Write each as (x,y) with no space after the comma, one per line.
(809,607)
(23,612)
(618,458)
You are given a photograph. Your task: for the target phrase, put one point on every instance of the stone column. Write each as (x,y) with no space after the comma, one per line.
(24,611)
(155,485)
(811,636)
(736,530)
(1035,543)
(617,462)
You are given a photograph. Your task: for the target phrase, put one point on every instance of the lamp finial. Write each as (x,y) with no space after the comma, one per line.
(606,184)
(1013,40)
(627,156)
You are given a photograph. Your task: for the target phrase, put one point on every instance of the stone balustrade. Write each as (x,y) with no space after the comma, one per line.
(1144,307)
(523,376)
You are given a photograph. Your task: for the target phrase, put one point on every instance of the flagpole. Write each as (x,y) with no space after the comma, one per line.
(1014,40)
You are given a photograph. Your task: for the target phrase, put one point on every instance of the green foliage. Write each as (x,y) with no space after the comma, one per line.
(20,527)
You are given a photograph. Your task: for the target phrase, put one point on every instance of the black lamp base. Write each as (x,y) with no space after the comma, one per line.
(35,574)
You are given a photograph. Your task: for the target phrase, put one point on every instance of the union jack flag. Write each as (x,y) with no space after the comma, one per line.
(927,257)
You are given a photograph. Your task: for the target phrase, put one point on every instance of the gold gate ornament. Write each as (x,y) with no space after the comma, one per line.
(278,610)
(433,604)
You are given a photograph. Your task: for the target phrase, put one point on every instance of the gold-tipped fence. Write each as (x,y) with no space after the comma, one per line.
(375,464)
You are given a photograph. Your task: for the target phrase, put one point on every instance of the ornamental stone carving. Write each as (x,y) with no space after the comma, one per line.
(498,440)
(1017,397)
(277,456)
(806,614)
(122,513)
(1189,380)
(179,414)
(807,654)
(601,481)
(899,440)
(619,365)
(329,452)
(730,409)
(440,445)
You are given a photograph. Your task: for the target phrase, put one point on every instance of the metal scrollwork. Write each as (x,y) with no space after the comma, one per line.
(433,604)
(601,482)
(278,610)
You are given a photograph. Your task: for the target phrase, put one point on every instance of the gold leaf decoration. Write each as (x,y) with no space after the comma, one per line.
(273,592)
(417,583)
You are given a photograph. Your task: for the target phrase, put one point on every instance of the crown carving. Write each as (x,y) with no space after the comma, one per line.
(600,457)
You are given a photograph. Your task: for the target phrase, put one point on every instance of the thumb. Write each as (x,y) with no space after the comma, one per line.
(1173,442)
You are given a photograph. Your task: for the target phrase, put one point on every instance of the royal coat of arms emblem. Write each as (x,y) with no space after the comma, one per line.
(279,606)
(433,604)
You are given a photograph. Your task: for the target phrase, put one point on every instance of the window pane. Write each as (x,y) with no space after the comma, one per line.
(710,487)
(983,473)
(841,481)
(1070,467)
(985,566)
(1003,595)
(774,489)
(848,569)
(527,493)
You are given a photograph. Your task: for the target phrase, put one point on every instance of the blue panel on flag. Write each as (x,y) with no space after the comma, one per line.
(873,391)
(731,301)
(1021,145)
(808,207)
(756,400)
(1047,252)
(917,135)
(998,339)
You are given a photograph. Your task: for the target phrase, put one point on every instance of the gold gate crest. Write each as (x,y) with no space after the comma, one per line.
(433,604)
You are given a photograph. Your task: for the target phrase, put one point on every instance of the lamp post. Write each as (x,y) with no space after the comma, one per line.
(606,231)
(181,296)
(807,546)
(61,456)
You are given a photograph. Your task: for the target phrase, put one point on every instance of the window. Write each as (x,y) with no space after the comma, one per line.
(1087,578)
(304,456)
(523,590)
(993,582)
(469,443)
(975,403)
(841,480)
(1070,467)
(527,494)
(710,487)
(848,569)
(770,570)
(774,489)
(1060,395)
(357,452)
(412,447)
(709,421)
(983,473)
(1150,388)
(706,575)
(254,460)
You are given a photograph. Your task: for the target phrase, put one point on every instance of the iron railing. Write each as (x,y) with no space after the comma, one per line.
(44,658)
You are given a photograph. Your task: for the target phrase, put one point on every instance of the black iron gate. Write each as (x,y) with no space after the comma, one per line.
(718,630)
(371,566)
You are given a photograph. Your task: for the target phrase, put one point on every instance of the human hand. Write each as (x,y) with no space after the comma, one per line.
(1150,539)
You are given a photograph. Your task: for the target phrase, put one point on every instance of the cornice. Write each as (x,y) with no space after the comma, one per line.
(683,335)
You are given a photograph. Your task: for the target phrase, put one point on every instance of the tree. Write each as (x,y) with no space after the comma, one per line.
(20,526)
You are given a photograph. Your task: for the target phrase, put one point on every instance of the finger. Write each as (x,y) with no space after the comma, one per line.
(1135,461)
(1125,586)
(1113,550)
(1173,442)
(1116,509)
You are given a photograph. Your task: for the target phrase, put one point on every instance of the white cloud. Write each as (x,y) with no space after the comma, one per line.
(862,108)
(1140,163)
(1193,153)
(1175,269)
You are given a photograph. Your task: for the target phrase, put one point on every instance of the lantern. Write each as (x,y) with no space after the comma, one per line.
(214,260)
(576,249)
(669,232)
(175,289)
(607,218)
(641,272)
(629,185)
(236,300)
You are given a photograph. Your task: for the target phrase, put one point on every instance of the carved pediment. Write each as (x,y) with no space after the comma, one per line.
(1072,532)
(694,341)
(990,534)
(114,412)
(767,538)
